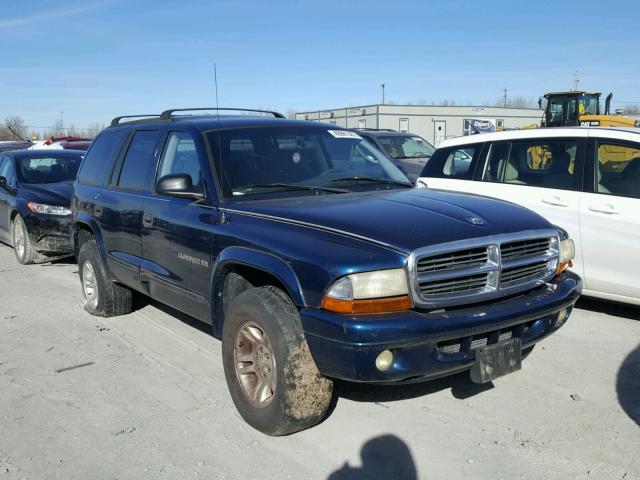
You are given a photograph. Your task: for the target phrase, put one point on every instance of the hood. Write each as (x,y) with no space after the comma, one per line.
(400,219)
(48,193)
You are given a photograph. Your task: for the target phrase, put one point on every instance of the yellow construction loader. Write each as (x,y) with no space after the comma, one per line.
(577,108)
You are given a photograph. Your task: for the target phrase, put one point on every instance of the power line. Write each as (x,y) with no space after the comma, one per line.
(53,127)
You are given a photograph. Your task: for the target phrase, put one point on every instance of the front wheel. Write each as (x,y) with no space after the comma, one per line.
(272,378)
(22,246)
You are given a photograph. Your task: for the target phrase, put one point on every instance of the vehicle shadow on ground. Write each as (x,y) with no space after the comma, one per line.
(60,262)
(628,385)
(460,384)
(386,456)
(631,312)
(141,301)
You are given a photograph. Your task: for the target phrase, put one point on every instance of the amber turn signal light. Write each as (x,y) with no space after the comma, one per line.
(563,266)
(374,305)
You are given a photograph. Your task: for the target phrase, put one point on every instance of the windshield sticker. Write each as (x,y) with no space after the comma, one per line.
(296,157)
(344,134)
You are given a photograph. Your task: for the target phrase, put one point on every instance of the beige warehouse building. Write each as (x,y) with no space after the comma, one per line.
(434,123)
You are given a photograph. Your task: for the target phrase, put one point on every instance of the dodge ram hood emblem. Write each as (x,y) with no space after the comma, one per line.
(475,220)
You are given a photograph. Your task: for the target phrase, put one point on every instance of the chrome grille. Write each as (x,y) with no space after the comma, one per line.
(466,284)
(483,268)
(524,248)
(451,260)
(525,272)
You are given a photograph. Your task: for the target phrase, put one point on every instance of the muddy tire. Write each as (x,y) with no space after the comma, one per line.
(22,246)
(102,297)
(271,375)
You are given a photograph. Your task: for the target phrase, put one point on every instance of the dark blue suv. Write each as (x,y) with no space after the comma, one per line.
(312,257)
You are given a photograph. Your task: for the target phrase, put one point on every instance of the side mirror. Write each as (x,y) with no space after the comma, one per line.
(3,182)
(179,185)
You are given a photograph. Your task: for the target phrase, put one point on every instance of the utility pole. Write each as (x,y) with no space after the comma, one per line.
(382,87)
(576,81)
(505,96)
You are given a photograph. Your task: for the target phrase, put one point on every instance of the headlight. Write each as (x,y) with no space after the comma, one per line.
(48,209)
(369,292)
(566,253)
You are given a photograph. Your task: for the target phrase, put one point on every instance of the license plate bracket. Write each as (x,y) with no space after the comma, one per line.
(496,360)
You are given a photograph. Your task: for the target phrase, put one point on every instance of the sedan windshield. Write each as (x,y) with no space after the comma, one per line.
(299,161)
(410,146)
(48,169)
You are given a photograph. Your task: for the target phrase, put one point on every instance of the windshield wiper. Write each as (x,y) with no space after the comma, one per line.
(290,186)
(371,180)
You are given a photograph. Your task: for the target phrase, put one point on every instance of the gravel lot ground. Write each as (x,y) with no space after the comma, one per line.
(153,402)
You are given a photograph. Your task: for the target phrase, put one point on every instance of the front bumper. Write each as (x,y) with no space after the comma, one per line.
(49,235)
(431,345)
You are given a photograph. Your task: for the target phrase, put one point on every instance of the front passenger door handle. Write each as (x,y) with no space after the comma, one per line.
(606,208)
(147,220)
(555,201)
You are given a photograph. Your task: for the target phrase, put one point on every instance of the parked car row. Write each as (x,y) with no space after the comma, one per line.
(312,257)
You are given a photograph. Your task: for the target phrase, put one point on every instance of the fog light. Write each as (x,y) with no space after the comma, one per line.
(384,360)
(562,317)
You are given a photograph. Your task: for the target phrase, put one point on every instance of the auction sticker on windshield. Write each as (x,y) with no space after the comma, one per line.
(344,134)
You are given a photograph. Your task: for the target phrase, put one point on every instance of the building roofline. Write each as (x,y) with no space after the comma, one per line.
(420,106)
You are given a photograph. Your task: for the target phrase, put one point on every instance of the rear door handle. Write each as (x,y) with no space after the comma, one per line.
(147,220)
(555,201)
(607,208)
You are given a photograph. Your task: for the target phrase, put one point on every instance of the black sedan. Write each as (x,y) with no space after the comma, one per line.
(35,199)
(408,151)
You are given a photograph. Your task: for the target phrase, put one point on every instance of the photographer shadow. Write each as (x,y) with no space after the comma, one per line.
(386,456)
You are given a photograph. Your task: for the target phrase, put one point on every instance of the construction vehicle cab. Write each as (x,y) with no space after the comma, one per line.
(578,108)
(564,109)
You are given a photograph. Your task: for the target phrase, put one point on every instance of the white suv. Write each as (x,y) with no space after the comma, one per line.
(585,180)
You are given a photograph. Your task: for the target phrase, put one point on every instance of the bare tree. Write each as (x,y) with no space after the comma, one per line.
(13,128)
(632,109)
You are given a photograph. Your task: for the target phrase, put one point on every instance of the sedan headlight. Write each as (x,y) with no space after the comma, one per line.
(48,209)
(369,292)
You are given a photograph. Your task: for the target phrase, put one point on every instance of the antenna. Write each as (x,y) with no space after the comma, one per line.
(215,80)
(220,169)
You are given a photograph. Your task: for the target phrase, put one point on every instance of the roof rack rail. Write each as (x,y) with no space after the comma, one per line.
(116,120)
(166,115)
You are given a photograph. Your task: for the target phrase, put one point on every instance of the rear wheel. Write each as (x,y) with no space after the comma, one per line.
(102,297)
(22,246)
(271,375)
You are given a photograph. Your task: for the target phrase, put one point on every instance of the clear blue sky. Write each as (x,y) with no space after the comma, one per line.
(94,60)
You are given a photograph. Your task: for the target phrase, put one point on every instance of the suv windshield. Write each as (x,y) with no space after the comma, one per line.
(47,169)
(271,160)
(410,146)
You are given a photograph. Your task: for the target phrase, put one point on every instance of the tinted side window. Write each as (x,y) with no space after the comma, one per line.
(453,162)
(6,169)
(180,156)
(539,163)
(138,160)
(618,169)
(100,157)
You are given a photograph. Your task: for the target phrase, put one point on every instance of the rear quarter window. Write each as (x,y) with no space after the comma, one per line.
(100,157)
(453,162)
